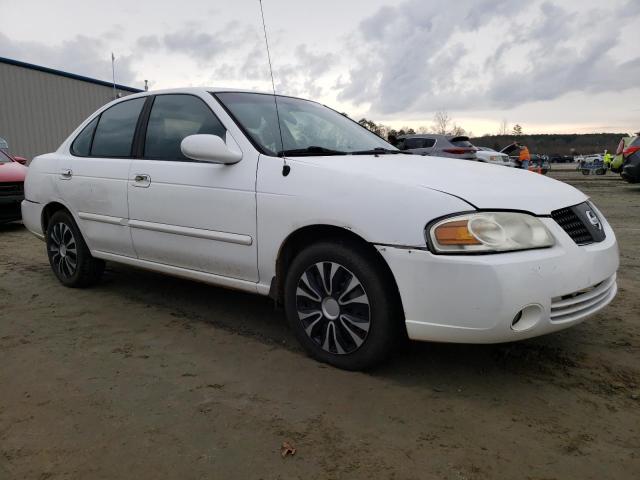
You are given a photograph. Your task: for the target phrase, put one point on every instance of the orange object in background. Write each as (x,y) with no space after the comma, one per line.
(524,154)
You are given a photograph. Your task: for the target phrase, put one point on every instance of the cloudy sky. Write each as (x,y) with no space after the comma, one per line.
(553,66)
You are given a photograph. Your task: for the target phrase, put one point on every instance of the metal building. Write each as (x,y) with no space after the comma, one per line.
(40,106)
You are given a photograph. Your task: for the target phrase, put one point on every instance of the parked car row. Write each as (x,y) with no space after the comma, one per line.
(461,148)
(627,159)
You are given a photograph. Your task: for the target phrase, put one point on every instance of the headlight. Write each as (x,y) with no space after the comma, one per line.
(484,232)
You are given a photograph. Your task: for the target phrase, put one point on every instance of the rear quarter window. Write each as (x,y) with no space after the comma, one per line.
(81,146)
(461,142)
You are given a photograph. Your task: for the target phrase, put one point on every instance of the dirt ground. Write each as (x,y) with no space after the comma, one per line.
(146,376)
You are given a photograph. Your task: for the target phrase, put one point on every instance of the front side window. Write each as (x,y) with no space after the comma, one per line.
(116,128)
(174,117)
(305,125)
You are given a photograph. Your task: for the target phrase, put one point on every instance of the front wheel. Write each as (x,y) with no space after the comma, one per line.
(342,305)
(69,256)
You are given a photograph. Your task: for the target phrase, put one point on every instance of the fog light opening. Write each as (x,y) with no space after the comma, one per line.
(527,318)
(516,319)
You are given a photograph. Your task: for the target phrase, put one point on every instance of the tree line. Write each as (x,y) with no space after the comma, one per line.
(550,144)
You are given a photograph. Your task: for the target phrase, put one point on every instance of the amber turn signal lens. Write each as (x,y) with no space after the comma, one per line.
(455,233)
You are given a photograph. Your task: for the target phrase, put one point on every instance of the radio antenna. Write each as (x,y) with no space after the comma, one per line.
(285,168)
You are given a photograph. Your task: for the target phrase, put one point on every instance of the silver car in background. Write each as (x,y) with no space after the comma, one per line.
(438,145)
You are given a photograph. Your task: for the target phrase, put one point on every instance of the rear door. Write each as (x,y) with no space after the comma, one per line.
(93,179)
(195,215)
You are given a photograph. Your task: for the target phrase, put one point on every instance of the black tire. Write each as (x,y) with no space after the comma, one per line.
(69,256)
(385,319)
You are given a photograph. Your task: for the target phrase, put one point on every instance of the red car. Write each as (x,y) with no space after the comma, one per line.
(12,174)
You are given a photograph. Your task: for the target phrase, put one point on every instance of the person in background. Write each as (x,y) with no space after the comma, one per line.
(607,159)
(525,157)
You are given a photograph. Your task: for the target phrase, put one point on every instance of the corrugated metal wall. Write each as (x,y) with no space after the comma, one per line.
(38,110)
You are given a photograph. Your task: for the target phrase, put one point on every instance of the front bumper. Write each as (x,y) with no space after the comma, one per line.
(10,208)
(475,299)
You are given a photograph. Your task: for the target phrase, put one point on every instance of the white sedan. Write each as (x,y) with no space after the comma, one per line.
(360,243)
(489,155)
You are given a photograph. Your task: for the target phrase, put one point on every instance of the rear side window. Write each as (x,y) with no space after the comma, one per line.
(460,142)
(82,144)
(419,143)
(115,130)
(174,117)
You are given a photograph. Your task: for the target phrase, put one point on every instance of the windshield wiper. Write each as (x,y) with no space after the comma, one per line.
(379,150)
(311,150)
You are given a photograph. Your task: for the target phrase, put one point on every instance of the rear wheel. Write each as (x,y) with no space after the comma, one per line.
(341,305)
(69,256)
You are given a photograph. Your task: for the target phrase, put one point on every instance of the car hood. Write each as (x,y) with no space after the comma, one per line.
(482,185)
(12,172)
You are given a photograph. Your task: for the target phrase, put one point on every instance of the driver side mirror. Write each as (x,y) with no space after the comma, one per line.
(21,160)
(209,148)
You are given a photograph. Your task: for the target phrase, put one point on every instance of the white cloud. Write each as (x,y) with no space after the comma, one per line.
(391,61)
(412,58)
(83,55)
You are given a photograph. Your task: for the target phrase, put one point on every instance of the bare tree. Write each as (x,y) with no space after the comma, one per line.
(457,130)
(441,121)
(504,127)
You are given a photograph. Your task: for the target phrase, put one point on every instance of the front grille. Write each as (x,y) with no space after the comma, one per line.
(573,225)
(581,222)
(583,302)
(11,188)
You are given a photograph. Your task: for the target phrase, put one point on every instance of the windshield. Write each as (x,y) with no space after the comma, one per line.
(307,127)
(4,158)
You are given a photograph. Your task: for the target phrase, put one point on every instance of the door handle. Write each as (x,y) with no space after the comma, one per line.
(141,180)
(66,174)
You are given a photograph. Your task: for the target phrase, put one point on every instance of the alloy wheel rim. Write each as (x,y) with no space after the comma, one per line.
(333,308)
(63,250)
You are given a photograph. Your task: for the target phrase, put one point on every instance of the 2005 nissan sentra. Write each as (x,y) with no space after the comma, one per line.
(360,242)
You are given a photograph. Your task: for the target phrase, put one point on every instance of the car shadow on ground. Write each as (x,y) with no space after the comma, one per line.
(10,227)
(414,363)
(417,364)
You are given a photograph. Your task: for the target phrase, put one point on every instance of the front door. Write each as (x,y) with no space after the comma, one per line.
(195,215)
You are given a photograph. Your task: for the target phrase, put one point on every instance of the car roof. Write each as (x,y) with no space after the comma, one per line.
(205,90)
(425,135)
(201,90)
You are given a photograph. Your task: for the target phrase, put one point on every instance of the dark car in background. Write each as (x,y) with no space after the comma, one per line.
(12,174)
(629,149)
(450,146)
